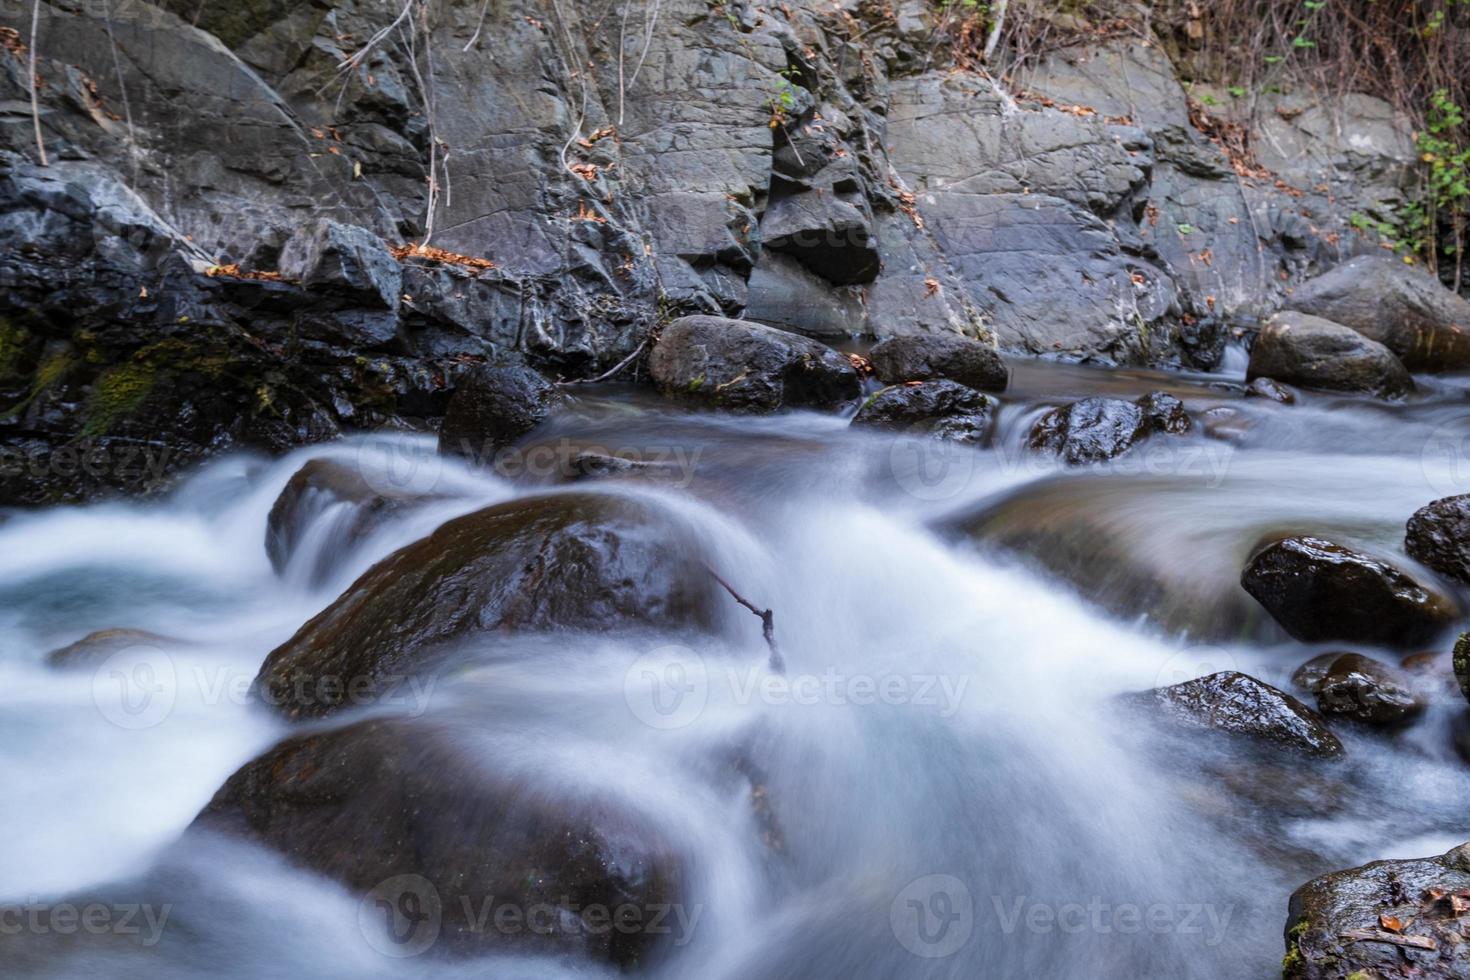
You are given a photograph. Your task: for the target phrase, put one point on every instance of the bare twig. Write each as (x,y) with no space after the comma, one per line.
(612,370)
(767,617)
(356,58)
(478,24)
(122,87)
(1393,939)
(35,102)
(994,38)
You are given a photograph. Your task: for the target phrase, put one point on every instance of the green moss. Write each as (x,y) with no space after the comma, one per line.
(48,372)
(119,392)
(1293,962)
(1360,975)
(696,384)
(13,343)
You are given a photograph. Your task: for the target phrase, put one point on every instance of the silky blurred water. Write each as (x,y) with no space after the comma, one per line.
(956,789)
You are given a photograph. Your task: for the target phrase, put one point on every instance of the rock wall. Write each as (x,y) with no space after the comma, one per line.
(593,169)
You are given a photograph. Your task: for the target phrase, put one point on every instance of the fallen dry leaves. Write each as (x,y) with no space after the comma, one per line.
(432,254)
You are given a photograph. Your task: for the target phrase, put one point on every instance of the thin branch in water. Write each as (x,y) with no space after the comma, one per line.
(35,102)
(613,370)
(767,618)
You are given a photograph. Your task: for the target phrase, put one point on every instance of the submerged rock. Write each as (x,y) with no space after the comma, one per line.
(1237,704)
(411,814)
(1336,923)
(1103,538)
(94,648)
(1438,536)
(746,367)
(492,407)
(1269,389)
(1318,591)
(942,409)
(573,561)
(1400,307)
(317,486)
(1315,353)
(1361,688)
(1097,429)
(925,357)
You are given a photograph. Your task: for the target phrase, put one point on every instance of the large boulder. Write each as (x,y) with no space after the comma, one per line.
(746,367)
(1100,428)
(492,407)
(1314,353)
(1319,591)
(415,820)
(573,561)
(1399,306)
(1232,703)
(1438,536)
(1353,686)
(952,357)
(1384,919)
(942,409)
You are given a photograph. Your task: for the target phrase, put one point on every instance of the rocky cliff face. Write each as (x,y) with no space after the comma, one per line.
(218,251)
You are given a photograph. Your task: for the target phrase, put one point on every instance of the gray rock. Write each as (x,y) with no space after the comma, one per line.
(1438,535)
(492,407)
(746,367)
(783,294)
(830,236)
(1236,704)
(1332,921)
(343,258)
(1400,307)
(949,356)
(1314,353)
(1319,591)
(941,409)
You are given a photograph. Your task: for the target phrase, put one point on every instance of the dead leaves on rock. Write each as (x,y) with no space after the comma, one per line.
(233,271)
(432,254)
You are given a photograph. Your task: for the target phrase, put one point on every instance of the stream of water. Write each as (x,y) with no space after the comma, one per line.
(957,791)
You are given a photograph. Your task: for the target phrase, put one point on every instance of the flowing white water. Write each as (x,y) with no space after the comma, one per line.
(956,791)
